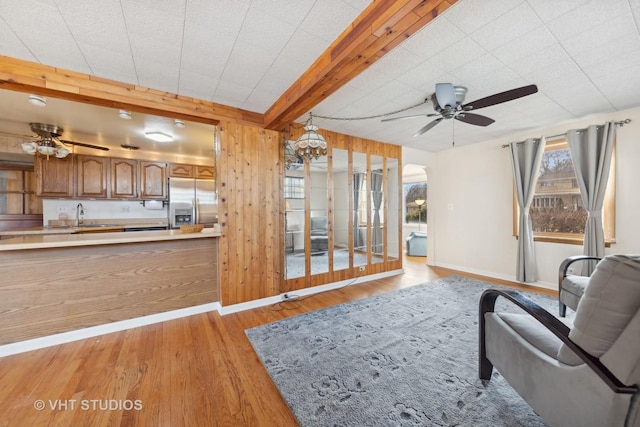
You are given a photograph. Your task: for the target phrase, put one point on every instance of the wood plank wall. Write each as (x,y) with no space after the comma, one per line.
(251,206)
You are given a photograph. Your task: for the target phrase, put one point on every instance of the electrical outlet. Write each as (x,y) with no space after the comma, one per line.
(124,209)
(62,209)
(362,268)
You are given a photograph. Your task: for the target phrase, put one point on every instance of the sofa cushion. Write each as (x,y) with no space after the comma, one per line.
(609,302)
(533,331)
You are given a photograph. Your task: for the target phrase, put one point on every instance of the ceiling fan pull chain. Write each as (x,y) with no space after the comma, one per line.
(453,133)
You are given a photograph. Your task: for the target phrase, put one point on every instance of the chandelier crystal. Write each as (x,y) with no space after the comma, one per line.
(311,144)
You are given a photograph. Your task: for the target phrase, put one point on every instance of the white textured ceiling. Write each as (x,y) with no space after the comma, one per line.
(583,55)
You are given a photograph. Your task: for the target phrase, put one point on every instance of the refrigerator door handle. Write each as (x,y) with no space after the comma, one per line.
(196,208)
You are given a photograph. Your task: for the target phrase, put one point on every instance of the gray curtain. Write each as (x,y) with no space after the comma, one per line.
(358,179)
(591,150)
(526,158)
(376,198)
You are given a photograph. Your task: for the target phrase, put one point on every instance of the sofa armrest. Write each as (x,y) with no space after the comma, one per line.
(559,329)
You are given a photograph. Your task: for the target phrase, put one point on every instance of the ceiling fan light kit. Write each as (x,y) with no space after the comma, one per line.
(49,142)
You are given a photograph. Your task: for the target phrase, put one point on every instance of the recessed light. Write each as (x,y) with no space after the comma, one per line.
(124,114)
(37,100)
(158,136)
(179,123)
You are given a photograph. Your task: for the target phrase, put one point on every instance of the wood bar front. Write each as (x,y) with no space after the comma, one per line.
(52,290)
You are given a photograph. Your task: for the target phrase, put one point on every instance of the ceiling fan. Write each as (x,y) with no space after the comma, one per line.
(49,142)
(448,101)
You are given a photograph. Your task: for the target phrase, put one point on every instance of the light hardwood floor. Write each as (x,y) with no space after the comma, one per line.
(196,371)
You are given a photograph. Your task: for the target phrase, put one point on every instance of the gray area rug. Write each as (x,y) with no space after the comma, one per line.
(406,358)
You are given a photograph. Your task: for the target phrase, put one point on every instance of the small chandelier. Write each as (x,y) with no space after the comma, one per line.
(311,144)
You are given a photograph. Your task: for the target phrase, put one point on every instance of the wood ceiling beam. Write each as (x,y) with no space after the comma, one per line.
(30,77)
(383,25)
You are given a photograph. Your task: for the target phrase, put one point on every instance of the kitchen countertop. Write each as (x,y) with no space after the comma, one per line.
(93,239)
(87,227)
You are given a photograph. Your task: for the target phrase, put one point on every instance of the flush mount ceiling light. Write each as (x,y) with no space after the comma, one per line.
(158,136)
(179,123)
(311,144)
(124,114)
(37,100)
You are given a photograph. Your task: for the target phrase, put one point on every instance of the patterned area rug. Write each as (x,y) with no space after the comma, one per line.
(406,358)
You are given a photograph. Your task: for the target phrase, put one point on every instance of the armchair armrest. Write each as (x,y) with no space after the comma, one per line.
(564,266)
(559,329)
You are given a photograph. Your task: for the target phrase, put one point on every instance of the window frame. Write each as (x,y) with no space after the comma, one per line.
(608,215)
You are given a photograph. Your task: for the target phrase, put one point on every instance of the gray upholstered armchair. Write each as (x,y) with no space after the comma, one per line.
(584,375)
(571,286)
(319,234)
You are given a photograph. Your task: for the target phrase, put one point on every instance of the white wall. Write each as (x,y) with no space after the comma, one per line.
(471,203)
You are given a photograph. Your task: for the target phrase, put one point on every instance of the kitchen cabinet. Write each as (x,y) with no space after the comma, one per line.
(92,175)
(153,180)
(205,172)
(179,170)
(124,178)
(54,176)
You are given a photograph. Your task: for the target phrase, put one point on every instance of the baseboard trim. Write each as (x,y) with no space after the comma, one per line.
(93,331)
(492,275)
(307,291)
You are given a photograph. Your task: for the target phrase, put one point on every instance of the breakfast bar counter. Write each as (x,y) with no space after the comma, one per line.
(60,283)
(39,241)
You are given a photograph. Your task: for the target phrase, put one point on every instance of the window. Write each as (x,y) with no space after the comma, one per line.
(414,213)
(293,187)
(557,213)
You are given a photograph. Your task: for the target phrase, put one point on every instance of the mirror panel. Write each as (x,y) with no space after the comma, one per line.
(319,207)
(294,190)
(377,210)
(392,219)
(341,212)
(360,209)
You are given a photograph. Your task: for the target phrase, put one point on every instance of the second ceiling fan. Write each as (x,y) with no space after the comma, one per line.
(448,103)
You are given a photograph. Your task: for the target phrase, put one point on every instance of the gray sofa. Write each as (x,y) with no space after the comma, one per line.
(417,244)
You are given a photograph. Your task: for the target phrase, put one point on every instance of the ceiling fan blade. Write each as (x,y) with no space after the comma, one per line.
(82,144)
(409,117)
(474,119)
(445,94)
(501,97)
(427,127)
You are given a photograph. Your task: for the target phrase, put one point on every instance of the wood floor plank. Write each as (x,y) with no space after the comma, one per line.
(199,370)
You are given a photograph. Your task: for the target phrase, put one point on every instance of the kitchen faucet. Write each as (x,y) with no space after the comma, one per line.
(79,211)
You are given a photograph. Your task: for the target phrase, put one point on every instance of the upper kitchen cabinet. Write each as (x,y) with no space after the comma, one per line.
(92,176)
(153,180)
(179,170)
(54,176)
(124,178)
(205,172)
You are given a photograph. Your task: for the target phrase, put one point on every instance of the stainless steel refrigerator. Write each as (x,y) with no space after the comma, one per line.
(192,201)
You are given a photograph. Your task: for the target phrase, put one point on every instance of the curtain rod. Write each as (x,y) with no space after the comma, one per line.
(620,123)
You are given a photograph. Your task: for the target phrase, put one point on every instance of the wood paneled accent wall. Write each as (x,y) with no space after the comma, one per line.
(251,203)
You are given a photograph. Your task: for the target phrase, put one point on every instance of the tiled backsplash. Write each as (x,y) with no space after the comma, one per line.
(54,209)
